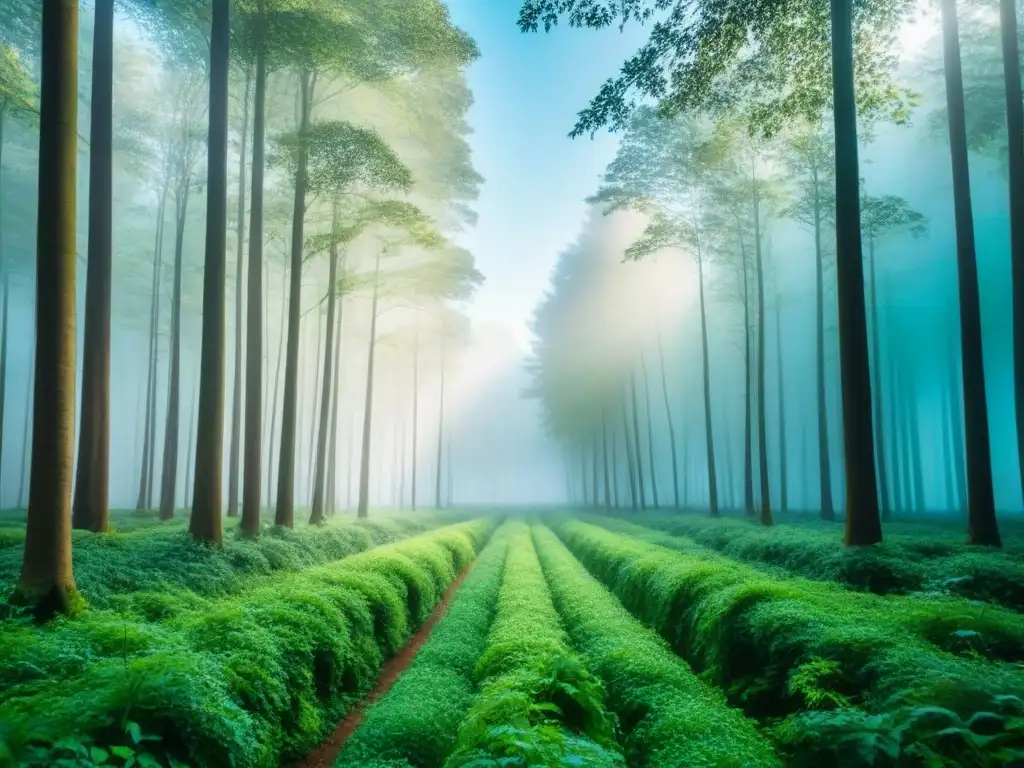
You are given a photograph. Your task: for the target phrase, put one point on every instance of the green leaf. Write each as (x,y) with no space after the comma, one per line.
(98,755)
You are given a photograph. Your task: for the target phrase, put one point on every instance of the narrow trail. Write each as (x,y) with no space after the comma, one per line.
(325,755)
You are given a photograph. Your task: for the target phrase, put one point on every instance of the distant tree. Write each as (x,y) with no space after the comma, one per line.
(47,583)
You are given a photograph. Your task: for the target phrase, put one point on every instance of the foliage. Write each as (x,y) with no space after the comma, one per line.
(668,716)
(17,90)
(538,704)
(243,680)
(418,718)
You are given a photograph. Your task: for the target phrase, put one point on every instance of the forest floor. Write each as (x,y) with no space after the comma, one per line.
(454,638)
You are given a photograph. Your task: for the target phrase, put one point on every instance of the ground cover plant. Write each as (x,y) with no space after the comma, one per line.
(247,679)
(417,721)
(836,678)
(667,715)
(538,704)
(926,559)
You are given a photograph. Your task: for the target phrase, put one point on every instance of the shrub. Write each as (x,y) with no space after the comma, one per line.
(415,723)
(779,647)
(538,704)
(668,716)
(245,680)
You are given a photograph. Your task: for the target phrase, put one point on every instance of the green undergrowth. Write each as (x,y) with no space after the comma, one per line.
(111,568)
(903,563)
(843,685)
(952,623)
(416,722)
(668,717)
(538,705)
(248,679)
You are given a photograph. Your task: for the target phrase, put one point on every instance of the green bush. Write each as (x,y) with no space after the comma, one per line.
(919,558)
(538,704)
(110,568)
(246,680)
(416,722)
(786,647)
(667,715)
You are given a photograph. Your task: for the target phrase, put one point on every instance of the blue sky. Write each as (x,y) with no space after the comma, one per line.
(528,89)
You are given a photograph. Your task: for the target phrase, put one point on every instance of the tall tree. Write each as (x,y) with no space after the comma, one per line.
(91,487)
(46,583)
(671,425)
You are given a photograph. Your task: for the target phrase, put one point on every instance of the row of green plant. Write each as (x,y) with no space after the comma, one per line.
(901,564)
(666,714)
(950,622)
(537,704)
(416,722)
(842,684)
(111,567)
(248,679)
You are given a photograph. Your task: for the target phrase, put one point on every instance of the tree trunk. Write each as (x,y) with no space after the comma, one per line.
(236,395)
(349,456)
(1015,147)
(189,475)
(25,434)
(956,422)
(730,479)
(253,454)
(317,513)
(46,583)
(863,526)
(284,514)
(277,382)
(451,475)
(915,440)
(615,470)
(671,426)
(783,473)
(314,410)
(982,527)
(440,430)
(90,508)
(650,433)
(205,524)
(148,460)
(364,467)
(762,418)
(947,455)
(879,400)
(906,457)
(332,461)
(169,478)
(708,435)
(824,460)
(415,412)
(629,456)
(604,450)
(636,442)
(748,397)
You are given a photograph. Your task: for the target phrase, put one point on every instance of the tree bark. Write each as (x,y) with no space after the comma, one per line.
(364,467)
(1015,147)
(863,525)
(317,513)
(671,425)
(90,508)
(253,454)
(236,395)
(982,527)
(46,583)
(708,435)
(284,513)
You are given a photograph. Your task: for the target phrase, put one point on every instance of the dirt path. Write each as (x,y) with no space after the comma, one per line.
(325,755)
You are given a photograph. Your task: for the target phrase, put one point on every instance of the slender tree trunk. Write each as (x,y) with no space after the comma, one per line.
(636,442)
(956,422)
(762,418)
(671,425)
(332,461)
(604,451)
(863,525)
(824,460)
(90,508)
(440,430)
(253,454)
(593,473)
(629,456)
(236,395)
(317,514)
(783,473)
(748,397)
(403,452)
(883,477)
(415,411)
(3,360)
(189,475)
(284,514)
(1015,147)
(982,527)
(148,460)
(708,435)
(364,467)
(158,265)
(947,454)
(314,410)
(277,380)
(349,457)
(26,436)
(650,433)
(915,440)
(906,458)
(47,583)
(730,479)
(451,475)
(615,469)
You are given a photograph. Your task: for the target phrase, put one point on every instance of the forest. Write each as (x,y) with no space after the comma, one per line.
(247,397)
